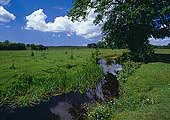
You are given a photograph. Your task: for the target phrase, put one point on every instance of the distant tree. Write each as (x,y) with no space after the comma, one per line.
(6,42)
(28,45)
(38,47)
(107,44)
(34,47)
(102,44)
(92,45)
(41,47)
(168,45)
(6,45)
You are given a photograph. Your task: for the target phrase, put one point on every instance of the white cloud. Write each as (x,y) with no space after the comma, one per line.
(4,2)
(6,16)
(86,29)
(68,35)
(164,41)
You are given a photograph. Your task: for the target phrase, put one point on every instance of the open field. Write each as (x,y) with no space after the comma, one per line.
(26,79)
(162,51)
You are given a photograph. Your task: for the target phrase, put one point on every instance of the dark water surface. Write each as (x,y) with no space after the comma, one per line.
(72,105)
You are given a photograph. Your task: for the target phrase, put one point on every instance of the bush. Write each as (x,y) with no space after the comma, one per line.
(101,112)
(71,57)
(12,65)
(145,54)
(128,68)
(6,45)
(26,79)
(105,111)
(32,54)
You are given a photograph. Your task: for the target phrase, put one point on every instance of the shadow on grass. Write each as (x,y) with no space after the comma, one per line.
(161,58)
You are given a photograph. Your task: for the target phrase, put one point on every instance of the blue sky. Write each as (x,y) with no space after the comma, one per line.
(46,22)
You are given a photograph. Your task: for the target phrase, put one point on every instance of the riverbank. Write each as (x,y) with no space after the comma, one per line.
(71,105)
(144,96)
(27,77)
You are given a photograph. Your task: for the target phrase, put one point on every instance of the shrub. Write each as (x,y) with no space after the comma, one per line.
(27,79)
(101,112)
(128,68)
(12,65)
(32,54)
(145,55)
(71,57)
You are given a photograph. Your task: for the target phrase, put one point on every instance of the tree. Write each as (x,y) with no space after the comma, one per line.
(38,47)
(92,45)
(34,47)
(168,46)
(6,45)
(129,22)
(102,44)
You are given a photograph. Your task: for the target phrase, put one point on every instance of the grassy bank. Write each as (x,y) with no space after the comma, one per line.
(145,95)
(27,78)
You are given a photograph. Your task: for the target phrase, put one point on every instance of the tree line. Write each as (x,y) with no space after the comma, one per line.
(37,47)
(7,45)
(105,44)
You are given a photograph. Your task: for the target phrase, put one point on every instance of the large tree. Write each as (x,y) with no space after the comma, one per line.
(127,21)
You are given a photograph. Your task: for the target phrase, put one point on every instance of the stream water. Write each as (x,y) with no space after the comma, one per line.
(72,105)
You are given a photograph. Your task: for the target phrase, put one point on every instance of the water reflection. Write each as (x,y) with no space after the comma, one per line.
(71,105)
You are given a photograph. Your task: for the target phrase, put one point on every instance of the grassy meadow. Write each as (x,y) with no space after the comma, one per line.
(144,93)
(27,78)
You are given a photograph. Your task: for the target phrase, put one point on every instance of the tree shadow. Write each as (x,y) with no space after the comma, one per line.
(161,58)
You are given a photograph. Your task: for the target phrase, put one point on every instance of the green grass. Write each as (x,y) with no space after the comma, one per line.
(144,96)
(147,93)
(26,80)
(162,51)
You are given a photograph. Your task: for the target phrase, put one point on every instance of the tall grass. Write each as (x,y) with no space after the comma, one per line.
(41,75)
(144,95)
(29,90)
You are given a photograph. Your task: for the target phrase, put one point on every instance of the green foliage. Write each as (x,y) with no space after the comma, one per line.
(26,78)
(32,54)
(66,52)
(127,22)
(106,110)
(6,45)
(38,47)
(144,94)
(43,55)
(71,57)
(38,79)
(102,44)
(95,55)
(145,54)
(128,68)
(101,112)
(12,64)
(69,66)
(92,45)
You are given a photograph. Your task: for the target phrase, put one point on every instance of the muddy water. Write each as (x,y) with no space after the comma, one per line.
(72,105)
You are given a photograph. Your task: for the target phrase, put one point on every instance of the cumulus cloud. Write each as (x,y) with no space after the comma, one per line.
(4,2)
(164,41)
(6,16)
(86,29)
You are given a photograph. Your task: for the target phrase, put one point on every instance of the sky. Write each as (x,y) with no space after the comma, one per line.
(46,22)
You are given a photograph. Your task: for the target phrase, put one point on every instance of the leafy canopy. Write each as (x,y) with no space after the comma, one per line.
(129,22)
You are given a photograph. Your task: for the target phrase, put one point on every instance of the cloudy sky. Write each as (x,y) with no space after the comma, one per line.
(46,22)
